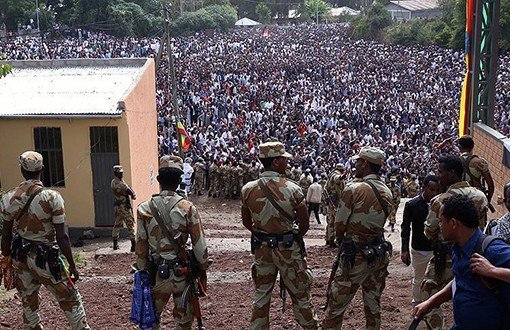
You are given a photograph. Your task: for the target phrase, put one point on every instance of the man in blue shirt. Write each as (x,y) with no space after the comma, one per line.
(474,305)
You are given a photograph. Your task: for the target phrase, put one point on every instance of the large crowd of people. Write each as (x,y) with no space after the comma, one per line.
(312,87)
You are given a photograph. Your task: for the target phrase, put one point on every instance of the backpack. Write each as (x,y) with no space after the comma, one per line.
(481,246)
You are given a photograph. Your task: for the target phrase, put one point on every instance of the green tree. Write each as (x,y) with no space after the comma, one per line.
(191,22)
(263,12)
(370,24)
(316,7)
(223,16)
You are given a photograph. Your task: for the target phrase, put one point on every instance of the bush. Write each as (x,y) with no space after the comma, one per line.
(223,16)
(419,32)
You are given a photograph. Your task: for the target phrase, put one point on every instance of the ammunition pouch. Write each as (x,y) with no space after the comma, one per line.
(20,248)
(348,255)
(274,240)
(54,263)
(164,270)
(369,253)
(441,252)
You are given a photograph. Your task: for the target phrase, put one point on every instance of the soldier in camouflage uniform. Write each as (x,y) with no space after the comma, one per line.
(42,227)
(305,181)
(254,170)
(450,172)
(214,173)
(237,179)
(199,170)
(413,188)
(396,193)
(334,186)
(322,181)
(277,239)
(296,173)
(223,182)
(475,167)
(359,224)
(122,207)
(181,217)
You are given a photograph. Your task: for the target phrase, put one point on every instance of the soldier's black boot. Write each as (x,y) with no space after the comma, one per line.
(133,244)
(115,244)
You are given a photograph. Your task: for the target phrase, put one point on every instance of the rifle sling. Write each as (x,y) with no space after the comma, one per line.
(273,202)
(155,205)
(27,204)
(379,198)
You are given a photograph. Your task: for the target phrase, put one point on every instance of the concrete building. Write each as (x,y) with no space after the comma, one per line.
(83,116)
(412,9)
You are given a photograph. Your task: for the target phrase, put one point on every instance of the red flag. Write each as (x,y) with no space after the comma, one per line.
(185,139)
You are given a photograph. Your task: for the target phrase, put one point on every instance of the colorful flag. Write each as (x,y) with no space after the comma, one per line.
(464,113)
(185,139)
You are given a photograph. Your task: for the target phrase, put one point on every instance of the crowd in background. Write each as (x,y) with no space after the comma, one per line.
(311,87)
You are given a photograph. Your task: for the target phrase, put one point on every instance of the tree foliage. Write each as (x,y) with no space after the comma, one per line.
(263,12)
(210,17)
(371,23)
(312,8)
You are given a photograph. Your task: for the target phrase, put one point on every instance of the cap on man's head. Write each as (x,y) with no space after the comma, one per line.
(308,170)
(273,149)
(171,161)
(340,167)
(372,155)
(31,161)
(393,179)
(117,169)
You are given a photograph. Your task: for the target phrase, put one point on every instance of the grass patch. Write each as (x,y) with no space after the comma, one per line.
(78,258)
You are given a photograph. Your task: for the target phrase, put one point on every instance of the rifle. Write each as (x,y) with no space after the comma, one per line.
(283,293)
(334,268)
(196,285)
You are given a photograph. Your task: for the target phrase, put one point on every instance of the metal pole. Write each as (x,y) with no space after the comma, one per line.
(171,76)
(317,11)
(37,14)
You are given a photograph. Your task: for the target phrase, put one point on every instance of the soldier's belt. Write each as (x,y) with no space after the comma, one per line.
(273,240)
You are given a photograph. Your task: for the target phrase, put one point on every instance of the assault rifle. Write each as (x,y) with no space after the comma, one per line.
(197,285)
(334,268)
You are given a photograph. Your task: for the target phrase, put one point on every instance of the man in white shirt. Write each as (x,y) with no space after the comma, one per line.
(314,198)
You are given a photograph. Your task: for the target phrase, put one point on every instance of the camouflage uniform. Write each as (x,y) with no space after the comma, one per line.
(237,180)
(254,171)
(295,174)
(199,170)
(431,283)
(334,186)
(360,218)
(305,182)
(268,261)
(413,189)
(184,218)
(396,193)
(214,174)
(46,209)
(223,180)
(122,208)
(477,167)
(323,180)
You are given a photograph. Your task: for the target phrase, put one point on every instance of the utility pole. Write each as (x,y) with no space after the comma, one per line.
(171,76)
(317,11)
(37,14)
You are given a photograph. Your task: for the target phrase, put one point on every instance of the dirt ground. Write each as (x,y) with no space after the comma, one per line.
(106,283)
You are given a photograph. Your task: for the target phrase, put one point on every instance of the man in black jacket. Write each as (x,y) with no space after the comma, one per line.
(415,214)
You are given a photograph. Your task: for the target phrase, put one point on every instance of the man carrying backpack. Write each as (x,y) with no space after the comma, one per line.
(478,302)
(476,169)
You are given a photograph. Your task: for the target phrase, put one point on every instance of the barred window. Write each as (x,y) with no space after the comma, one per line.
(48,142)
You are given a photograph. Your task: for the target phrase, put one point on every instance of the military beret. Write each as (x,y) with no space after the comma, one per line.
(31,161)
(273,149)
(372,155)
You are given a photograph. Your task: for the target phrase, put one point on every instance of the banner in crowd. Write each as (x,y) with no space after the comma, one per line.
(185,139)
(464,113)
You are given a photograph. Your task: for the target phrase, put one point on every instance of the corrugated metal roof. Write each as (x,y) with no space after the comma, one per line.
(69,89)
(415,5)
